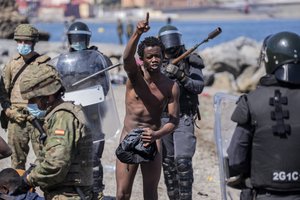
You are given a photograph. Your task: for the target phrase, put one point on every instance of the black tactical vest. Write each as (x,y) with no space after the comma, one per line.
(275,114)
(188,101)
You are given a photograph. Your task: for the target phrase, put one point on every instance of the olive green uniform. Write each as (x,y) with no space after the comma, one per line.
(66,163)
(19,134)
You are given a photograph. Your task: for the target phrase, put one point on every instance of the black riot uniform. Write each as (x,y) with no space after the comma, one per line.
(79,38)
(179,146)
(266,138)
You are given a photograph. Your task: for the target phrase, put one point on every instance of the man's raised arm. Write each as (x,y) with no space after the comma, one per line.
(130,65)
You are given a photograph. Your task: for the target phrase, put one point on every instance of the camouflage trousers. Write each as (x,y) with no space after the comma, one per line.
(19,135)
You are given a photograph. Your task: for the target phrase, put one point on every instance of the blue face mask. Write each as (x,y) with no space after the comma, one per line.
(78,46)
(35,111)
(24,49)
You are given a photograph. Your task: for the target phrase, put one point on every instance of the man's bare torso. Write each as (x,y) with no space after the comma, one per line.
(145,102)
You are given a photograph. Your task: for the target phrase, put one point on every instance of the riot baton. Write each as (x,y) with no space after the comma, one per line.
(95,74)
(211,35)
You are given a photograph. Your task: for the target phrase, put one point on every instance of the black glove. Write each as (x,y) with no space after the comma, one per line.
(174,72)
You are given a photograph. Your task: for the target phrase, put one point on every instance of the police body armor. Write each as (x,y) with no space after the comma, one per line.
(188,101)
(81,173)
(275,163)
(94,94)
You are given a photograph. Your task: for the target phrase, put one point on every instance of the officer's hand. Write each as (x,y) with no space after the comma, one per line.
(174,72)
(143,26)
(15,114)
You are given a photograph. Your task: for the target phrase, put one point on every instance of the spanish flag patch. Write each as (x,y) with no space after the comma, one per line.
(59,132)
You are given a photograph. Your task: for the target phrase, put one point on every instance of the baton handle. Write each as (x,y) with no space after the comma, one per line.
(211,35)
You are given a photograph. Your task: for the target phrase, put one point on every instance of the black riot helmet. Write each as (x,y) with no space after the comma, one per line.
(79,36)
(282,56)
(170,36)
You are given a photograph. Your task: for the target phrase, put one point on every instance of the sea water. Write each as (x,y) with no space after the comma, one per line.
(193,32)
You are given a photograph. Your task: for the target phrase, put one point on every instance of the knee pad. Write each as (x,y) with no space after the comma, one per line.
(183,165)
(170,175)
(185,177)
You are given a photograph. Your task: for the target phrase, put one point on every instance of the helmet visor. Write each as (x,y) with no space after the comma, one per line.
(75,38)
(289,73)
(171,40)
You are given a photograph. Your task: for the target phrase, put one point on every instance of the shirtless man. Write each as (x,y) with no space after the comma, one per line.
(5,151)
(147,93)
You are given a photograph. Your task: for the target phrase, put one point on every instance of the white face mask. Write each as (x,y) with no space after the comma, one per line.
(35,111)
(78,46)
(24,49)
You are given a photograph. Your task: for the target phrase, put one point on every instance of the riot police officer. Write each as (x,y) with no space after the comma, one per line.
(20,131)
(266,137)
(64,170)
(80,62)
(179,147)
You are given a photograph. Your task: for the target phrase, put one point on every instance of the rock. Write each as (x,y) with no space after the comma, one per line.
(10,19)
(249,79)
(233,56)
(224,81)
(238,57)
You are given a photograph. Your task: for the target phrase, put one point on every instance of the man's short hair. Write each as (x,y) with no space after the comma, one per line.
(149,42)
(10,178)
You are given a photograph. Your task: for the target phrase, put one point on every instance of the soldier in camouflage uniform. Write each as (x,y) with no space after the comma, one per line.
(65,168)
(20,130)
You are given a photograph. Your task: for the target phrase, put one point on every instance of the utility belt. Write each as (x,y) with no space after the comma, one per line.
(82,192)
(273,192)
(190,112)
(185,111)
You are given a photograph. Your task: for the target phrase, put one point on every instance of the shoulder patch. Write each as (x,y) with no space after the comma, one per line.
(59,132)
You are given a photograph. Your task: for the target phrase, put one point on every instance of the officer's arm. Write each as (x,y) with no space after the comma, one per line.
(239,149)
(194,82)
(240,144)
(5,79)
(58,151)
(4,97)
